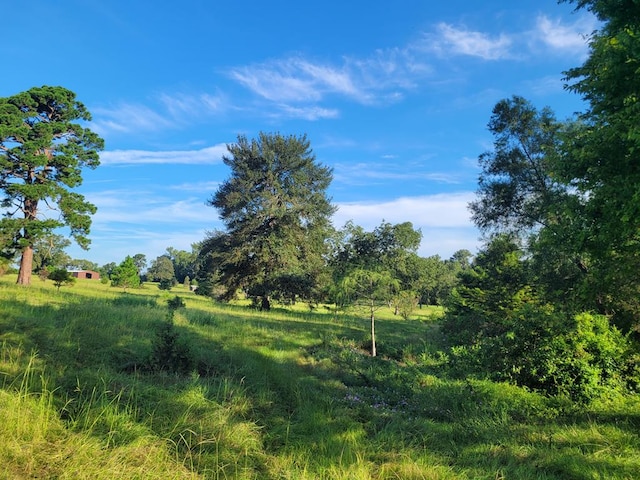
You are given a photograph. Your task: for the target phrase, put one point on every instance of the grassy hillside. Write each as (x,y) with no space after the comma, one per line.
(278,395)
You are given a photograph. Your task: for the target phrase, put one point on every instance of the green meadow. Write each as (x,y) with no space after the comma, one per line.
(288,394)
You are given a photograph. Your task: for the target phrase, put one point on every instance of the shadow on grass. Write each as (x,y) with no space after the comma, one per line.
(300,385)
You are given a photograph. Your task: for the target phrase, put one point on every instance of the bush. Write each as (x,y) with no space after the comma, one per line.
(169,352)
(61,277)
(579,357)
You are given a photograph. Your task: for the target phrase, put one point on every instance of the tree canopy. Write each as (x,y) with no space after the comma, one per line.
(42,153)
(276,212)
(126,274)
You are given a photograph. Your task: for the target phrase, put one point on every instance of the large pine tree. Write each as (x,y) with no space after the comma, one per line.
(277,216)
(42,153)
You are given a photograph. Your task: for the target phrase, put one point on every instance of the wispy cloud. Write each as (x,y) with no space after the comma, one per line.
(204,156)
(367,173)
(182,105)
(206,187)
(295,80)
(570,38)
(311,112)
(128,118)
(166,111)
(450,40)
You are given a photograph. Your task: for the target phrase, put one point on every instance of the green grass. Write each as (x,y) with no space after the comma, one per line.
(288,394)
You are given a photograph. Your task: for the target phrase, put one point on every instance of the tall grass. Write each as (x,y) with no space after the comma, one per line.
(289,394)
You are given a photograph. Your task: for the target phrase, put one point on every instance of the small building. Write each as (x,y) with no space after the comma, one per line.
(88,274)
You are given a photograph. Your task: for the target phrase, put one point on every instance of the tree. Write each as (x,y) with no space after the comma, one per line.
(387,247)
(161,270)
(516,192)
(42,154)
(48,251)
(371,289)
(60,277)
(276,212)
(125,275)
(140,260)
(107,269)
(82,264)
(520,193)
(184,263)
(602,155)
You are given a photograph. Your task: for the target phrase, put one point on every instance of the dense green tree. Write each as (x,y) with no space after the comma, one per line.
(125,275)
(107,269)
(161,270)
(520,193)
(48,252)
(184,263)
(140,260)
(210,253)
(42,153)
(387,247)
(276,212)
(602,154)
(496,285)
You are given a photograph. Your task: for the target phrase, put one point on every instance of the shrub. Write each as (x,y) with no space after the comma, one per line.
(579,357)
(61,277)
(169,353)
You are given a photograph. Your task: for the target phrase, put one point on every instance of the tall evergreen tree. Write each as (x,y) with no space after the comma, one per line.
(125,275)
(42,153)
(276,212)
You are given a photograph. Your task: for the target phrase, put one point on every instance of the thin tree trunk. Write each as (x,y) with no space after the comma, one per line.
(373,335)
(26,265)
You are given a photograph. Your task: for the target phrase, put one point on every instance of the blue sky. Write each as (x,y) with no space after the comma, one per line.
(394,96)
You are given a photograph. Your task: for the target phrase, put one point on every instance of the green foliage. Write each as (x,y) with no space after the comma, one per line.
(161,269)
(276,213)
(48,251)
(60,277)
(184,263)
(405,303)
(500,330)
(372,289)
(125,275)
(42,154)
(169,352)
(285,395)
(601,156)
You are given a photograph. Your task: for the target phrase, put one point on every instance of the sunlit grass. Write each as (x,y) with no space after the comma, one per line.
(290,393)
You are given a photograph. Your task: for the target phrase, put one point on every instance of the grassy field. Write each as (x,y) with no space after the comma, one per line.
(278,395)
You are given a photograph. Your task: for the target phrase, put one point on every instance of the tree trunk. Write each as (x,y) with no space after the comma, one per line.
(26,265)
(373,335)
(265,305)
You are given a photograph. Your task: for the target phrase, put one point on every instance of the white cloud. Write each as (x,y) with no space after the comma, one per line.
(440,210)
(571,38)
(128,118)
(180,105)
(450,40)
(204,156)
(306,112)
(300,81)
(444,219)
(366,173)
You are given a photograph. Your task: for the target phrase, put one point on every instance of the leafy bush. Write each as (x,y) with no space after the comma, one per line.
(61,277)
(579,357)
